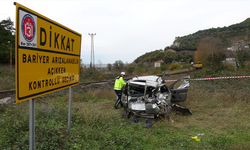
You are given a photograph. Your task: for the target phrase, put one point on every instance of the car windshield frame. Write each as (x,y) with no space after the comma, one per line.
(141,87)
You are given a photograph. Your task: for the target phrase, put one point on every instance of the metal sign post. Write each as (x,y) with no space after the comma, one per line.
(70,104)
(164,74)
(47,57)
(32,124)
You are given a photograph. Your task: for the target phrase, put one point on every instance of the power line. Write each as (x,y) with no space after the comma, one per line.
(92,57)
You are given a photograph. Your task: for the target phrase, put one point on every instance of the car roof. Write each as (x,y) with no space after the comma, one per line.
(146,78)
(149,80)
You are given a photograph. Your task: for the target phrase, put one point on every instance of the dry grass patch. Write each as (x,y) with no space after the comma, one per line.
(215,110)
(7,83)
(91,113)
(241,146)
(220,110)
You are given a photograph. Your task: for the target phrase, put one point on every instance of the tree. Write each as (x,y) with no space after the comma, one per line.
(169,57)
(174,66)
(130,69)
(241,57)
(164,67)
(210,52)
(118,65)
(109,66)
(5,36)
(8,25)
(138,70)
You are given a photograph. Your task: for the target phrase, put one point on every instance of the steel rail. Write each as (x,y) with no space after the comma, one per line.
(7,92)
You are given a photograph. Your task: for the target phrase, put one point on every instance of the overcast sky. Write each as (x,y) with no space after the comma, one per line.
(127,29)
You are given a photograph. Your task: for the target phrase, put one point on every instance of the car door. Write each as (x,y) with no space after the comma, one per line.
(179,94)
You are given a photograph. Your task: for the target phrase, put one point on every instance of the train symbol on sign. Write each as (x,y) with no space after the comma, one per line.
(28,28)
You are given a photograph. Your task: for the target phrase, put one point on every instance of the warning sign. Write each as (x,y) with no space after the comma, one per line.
(47,55)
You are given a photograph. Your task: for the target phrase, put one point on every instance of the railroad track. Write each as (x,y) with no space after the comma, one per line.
(13,91)
(7,92)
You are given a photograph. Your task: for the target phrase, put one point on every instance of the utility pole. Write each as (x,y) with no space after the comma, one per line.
(92,57)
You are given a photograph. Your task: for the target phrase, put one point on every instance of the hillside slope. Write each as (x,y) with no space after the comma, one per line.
(186,44)
(232,33)
(168,56)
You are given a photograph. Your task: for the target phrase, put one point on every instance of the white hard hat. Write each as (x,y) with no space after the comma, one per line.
(123,73)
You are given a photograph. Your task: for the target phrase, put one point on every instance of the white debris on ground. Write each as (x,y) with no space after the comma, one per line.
(4,100)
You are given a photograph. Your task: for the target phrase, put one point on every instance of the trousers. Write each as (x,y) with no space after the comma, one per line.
(119,97)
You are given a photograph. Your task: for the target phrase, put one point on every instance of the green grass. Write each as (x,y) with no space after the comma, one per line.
(220,109)
(7,78)
(181,70)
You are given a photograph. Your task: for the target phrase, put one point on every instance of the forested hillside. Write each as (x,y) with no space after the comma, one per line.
(7,38)
(232,33)
(228,35)
(167,56)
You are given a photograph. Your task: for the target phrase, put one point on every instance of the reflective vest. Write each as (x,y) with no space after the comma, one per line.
(119,83)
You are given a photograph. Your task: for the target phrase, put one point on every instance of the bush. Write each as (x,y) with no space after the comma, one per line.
(174,66)
(247,67)
(164,67)
(186,66)
(157,70)
(230,67)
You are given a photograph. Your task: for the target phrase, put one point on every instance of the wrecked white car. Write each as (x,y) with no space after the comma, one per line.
(149,97)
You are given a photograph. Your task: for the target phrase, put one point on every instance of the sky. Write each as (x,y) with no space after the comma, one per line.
(127,29)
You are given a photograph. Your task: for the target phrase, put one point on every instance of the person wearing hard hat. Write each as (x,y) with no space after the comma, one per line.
(119,83)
